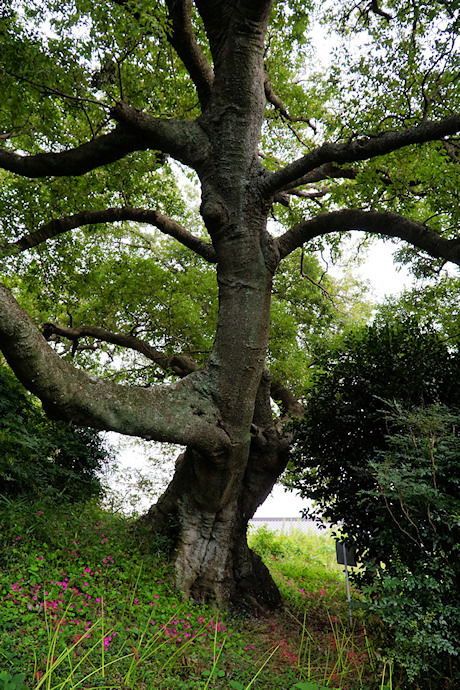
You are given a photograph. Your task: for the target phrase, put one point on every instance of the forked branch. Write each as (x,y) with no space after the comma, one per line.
(178,365)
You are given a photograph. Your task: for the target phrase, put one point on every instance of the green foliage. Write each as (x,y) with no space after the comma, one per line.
(346,420)
(303,565)
(415,593)
(40,456)
(12,682)
(87,598)
(434,302)
(389,473)
(309,311)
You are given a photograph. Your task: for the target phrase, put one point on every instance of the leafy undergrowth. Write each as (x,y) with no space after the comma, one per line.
(84,604)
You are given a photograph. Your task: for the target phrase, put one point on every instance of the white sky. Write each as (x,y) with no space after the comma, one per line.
(381,272)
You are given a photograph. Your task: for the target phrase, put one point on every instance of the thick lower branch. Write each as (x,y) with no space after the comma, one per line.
(182,413)
(136,131)
(184,140)
(78,161)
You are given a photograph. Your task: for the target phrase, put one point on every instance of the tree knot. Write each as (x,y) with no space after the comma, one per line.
(214,213)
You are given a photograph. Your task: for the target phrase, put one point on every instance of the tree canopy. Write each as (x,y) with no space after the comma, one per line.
(169,173)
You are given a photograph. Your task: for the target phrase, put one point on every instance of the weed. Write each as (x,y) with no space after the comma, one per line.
(83,605)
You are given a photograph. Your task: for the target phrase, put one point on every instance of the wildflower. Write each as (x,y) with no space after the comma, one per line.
(108,640)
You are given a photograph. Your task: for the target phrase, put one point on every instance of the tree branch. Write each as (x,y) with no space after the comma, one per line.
(181,413)
(178,365)
(358,150)
(216,16)
(289,404)
(276,101)
(184,140)
(376,10)
(386,224)
(136,131)
(255,10)
(323,172)
(183,40)
(111,215)
(78,161)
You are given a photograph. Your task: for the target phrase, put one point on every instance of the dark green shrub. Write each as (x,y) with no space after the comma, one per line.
(379,452)
(416,593)
(346,424)
(43,457)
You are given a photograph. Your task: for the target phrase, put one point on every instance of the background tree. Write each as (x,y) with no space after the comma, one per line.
(433,300)
(40,457)
(348,419)
(106,107)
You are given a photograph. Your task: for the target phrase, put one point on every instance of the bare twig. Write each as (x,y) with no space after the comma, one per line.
(276,101)
(49,90)
(318,285)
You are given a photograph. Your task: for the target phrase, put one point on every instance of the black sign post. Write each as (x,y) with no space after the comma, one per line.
(346,557)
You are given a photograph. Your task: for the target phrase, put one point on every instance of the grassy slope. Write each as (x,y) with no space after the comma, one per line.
(84,604)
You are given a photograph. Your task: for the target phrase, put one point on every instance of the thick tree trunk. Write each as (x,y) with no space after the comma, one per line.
(211,555)
(206,510)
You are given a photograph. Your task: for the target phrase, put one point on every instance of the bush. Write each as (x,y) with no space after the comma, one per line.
(43,457)
(379,452)
(416,593)
(346,422)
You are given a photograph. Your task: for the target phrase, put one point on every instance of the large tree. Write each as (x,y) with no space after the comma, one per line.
(97,99)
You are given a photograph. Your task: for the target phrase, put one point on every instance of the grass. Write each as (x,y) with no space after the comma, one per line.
(85,605)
